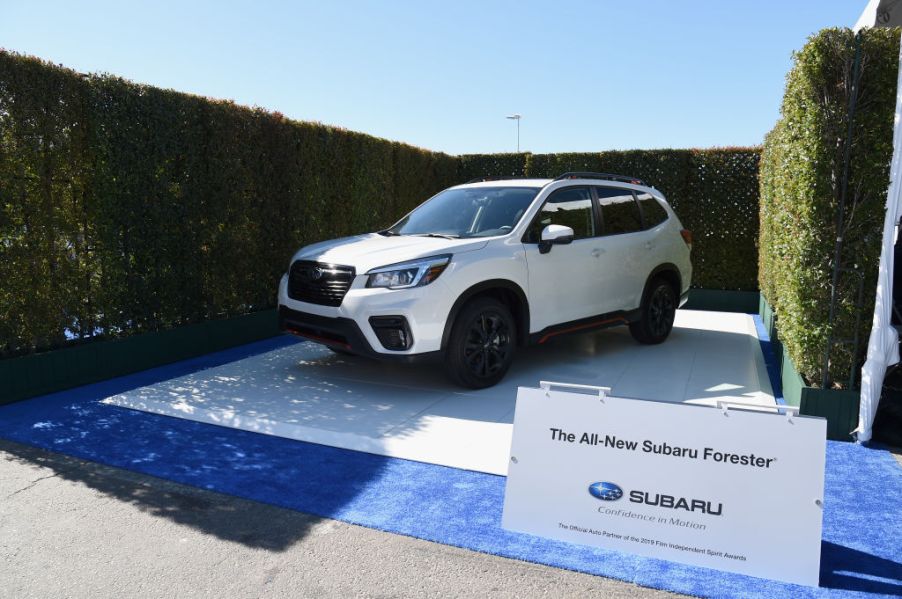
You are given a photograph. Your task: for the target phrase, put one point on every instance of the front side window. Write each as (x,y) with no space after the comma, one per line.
(571,207)
(468,212)
(619,211)
(653,213)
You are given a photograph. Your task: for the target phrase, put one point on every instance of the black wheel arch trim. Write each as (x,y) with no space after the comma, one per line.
(669,268)
(520,316)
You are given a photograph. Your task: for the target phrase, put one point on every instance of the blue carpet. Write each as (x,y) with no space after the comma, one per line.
(862,548)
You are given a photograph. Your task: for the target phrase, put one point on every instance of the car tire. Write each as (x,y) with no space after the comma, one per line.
(656,314)
(481,345)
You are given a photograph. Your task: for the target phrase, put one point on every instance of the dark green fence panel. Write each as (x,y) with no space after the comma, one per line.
(48,372)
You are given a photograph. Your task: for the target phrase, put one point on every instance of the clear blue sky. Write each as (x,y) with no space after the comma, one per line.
(443,74)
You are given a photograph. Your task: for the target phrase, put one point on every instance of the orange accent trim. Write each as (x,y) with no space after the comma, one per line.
(588,325)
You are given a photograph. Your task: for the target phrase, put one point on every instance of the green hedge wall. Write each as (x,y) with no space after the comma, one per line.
(126,208)
(714,192)
(801,172)
(471,166)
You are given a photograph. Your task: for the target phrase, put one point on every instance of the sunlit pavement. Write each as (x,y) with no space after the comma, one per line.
(70,528)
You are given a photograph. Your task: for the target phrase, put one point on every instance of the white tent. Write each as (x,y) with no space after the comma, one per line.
(883,345)
(880,13)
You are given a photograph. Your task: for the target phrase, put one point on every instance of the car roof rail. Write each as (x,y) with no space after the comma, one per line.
(493,178)
(603,176)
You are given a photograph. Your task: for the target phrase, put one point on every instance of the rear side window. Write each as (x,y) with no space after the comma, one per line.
(653,213)
(619,211)
(571,207)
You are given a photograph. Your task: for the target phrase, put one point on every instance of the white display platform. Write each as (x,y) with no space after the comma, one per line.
(306,392)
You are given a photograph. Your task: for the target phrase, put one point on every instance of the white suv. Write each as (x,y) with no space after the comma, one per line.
(482,268)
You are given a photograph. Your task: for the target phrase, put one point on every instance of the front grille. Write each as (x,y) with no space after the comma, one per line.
(318,283)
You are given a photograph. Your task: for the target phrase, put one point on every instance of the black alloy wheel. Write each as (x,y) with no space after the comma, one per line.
(481,345)
(661,311)
(488,344)
(656,314)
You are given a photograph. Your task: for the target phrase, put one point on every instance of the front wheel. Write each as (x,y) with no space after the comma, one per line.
(656,314)
(481,346)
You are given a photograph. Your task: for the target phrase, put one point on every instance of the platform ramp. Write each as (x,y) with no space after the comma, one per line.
(306,392)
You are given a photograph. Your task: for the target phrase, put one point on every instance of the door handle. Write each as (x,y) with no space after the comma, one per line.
(598,252)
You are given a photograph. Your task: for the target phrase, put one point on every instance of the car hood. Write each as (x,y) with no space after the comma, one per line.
(366,252)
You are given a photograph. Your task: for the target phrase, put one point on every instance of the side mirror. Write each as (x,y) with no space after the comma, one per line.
(554,235)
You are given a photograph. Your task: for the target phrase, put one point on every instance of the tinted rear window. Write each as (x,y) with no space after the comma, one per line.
(619,211)
(653,213)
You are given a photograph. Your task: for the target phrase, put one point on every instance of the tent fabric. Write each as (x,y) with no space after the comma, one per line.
(883,345)
(880,13)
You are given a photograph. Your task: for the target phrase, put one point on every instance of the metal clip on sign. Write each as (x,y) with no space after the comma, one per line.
(724,405)
(602,392)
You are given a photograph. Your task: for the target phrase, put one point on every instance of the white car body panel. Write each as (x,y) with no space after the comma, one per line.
(583,279)
(561,284)
(366,252)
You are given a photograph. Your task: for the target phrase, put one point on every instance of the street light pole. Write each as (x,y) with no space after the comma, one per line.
(516,117)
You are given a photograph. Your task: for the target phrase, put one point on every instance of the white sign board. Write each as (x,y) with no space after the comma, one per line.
(729,489)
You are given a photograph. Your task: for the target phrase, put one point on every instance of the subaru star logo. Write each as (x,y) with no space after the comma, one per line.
(605,491)
(312,273)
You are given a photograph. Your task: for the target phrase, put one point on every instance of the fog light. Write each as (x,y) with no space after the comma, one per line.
(392,331)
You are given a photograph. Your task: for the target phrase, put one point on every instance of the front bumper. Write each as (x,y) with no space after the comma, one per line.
(340,333)
(359,324)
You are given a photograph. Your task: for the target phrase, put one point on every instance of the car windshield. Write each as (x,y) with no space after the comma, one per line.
(467,212)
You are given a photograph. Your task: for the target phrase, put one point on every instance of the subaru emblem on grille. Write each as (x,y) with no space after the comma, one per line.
(315,283)
(311,273)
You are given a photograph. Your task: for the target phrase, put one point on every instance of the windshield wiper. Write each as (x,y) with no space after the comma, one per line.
(387,233)
(440,235)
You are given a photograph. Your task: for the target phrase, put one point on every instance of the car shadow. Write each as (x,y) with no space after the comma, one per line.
(260,468)
(229,518)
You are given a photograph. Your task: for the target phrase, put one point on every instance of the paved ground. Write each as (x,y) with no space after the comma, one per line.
(70,528)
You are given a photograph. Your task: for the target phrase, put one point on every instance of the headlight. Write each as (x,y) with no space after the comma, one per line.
(405,275)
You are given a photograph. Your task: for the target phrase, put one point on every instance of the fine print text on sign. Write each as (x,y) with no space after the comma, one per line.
(734,490)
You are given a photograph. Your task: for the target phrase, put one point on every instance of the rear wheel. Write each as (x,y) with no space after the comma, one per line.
(481,346)
(656,314)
